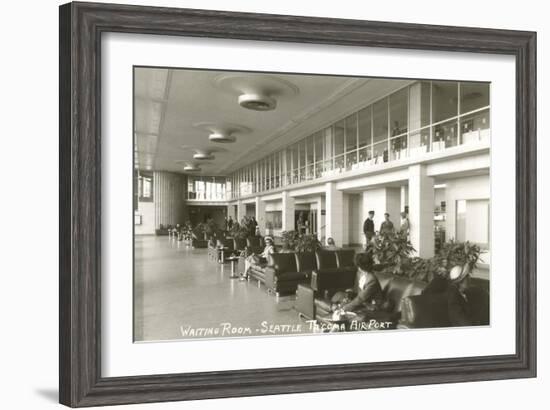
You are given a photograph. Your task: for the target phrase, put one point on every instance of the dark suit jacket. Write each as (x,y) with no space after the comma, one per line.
(372,292)
(470,308)
(368,227)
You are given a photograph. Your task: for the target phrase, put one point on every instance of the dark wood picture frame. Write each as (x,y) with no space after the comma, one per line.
(81,27)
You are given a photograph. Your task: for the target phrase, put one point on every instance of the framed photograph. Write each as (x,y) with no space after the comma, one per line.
(262,204)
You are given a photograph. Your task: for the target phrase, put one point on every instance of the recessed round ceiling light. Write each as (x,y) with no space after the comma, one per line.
(223,138)
(203,156)
(257,102)
(191,168)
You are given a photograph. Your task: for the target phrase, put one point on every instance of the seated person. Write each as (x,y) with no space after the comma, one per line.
(258,259)
(467,305)
(331,245)
(370,296)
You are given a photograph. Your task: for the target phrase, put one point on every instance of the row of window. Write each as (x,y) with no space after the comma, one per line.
(206,188)
(426,116)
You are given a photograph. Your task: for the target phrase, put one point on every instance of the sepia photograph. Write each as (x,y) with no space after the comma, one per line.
(276,204)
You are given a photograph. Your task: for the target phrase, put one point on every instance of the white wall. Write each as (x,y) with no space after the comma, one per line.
(31,328)
(356,219)
(477,221)
(477,187)
(147,212)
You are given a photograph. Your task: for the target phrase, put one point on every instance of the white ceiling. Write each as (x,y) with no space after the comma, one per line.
(170,105)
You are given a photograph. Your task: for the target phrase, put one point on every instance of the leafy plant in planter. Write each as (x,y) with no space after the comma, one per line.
(392,250)
(454,253)
(212,229)
(289,239)
(307,243)
(423,269)
(451,254)
(199,231)
(239,231)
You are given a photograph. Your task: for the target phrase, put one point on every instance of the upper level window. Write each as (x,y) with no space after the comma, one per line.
(339,137)
(380,118)
(145,186)
(351,133)
(444,100)
(473,96)
(365,123)
(398,112)
(412,121)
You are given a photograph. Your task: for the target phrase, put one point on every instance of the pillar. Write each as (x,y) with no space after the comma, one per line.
(334,213)
(241,210)
(260,214)
(345,219)
(320,222)
(404,197)
(421,211)
(288,211)
(168,192)
(231,212)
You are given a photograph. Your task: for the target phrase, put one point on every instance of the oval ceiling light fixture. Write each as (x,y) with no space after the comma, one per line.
(191,168)
(221,138)
(258,92)
(222,132)
(257,102)
(202,155)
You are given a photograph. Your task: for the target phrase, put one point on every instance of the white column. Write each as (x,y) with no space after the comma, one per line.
(168,190)
(345,220)
(260,214)
(288,211)
(334,213)
(231,212)
(320,218)
(421,211)
(241,211)
(404,197)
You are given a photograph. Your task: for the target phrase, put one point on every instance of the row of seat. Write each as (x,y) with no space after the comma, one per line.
(234,246)
(314,277)
(285,271)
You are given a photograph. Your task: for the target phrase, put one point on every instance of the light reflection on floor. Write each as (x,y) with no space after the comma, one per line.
(177,287)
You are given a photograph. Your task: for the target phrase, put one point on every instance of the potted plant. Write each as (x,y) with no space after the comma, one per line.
(452,253)
(392,250)
(212,229)
(307,243)
(198,231)
(289,239)
(239,231)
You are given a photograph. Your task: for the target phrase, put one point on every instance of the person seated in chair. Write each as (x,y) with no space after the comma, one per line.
(258,259)
(331,245)
(370,296)
(466,305)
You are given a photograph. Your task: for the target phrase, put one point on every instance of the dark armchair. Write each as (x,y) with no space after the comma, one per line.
(284,272)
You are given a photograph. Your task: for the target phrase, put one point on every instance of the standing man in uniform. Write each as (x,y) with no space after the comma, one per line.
(368,228)
(405,224)
(387,225)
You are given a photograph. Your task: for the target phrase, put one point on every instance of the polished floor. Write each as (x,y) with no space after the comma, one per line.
(179,293)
